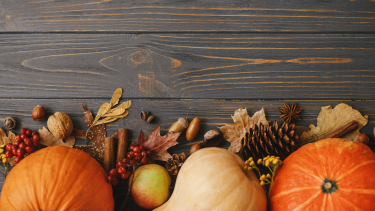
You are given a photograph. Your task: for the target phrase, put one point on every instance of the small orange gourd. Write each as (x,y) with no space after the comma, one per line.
(331,174)
(59,179)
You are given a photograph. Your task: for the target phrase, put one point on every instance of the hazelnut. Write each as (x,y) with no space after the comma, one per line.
(60,125)
(150,119)
(212,138)
(10,122)
(38,113)
(144,115)
(363,138)
(195,148)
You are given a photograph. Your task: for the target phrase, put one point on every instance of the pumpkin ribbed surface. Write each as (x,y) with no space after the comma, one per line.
(214,179)
(59,179)
(331,174)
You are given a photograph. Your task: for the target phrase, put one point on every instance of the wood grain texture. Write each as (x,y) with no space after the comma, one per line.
(193,16)
(186,66)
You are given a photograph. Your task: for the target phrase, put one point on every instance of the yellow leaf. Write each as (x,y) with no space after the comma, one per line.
(111,119)
(124,105)
(115,112)
(115,98)
(331,119)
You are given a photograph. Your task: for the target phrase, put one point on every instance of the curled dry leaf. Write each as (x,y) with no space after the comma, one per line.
(234,133)
(158,144)
(4,139)
(47,139)
(331,119)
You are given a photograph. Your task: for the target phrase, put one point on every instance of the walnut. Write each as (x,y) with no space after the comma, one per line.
(60,125)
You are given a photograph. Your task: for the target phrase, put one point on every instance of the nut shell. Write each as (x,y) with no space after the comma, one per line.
(39,113)
(60,125)
(10,122)
(195,148)
(212,138)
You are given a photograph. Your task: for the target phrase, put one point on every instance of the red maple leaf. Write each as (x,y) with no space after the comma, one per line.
(158,144)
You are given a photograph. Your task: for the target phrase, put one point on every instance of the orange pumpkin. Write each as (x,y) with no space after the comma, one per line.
(57,178)
(331,174)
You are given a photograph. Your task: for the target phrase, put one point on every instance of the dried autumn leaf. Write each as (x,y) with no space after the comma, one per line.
(115,98)
(159,144)
(331,119)
(234,133)
(116,112)
(4,139)
(111,118)
(124,105)
(47,139)
(96,136)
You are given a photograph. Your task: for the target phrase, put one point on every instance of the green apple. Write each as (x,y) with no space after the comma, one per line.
(150,186)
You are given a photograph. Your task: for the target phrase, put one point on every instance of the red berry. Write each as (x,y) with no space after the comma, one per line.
(23,136)
(14,151)
(120,163)
(18,137)
(129,155)
(27,141)
(35,143)
(148,153)
(125,161)
(8,154)
(126,174)
(29,149)
(14,147)
(142,148)
(137,154)
(143,153)
(17,142)
(131,147)
(23,131)
(112,180)
(113,172)
(28,132)
(144,161)
(22,145)
(21,152)
(34,133)
(18,159)
(36,137)
(121,170)
(136,149)
(9,146)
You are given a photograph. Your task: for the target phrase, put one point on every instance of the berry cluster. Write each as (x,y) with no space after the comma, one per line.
(3,157)
(24,143)
(137,155)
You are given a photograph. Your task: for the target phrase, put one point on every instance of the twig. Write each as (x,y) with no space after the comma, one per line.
(129,190)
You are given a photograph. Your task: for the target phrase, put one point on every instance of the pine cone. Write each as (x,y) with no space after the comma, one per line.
(270,140)
(174,164)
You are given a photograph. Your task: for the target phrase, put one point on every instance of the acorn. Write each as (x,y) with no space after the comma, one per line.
(193,128)
(180,125)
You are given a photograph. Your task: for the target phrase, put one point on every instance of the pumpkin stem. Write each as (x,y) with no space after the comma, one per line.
(329,186)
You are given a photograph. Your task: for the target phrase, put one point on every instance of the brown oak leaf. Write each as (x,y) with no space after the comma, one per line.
(158,144)
(234,133)
(4,139)
(47,139)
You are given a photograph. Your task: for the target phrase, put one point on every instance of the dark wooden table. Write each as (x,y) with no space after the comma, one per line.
(168,56)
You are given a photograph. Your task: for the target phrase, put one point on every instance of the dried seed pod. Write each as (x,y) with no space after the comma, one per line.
(144,115)
(193,128)
(150,119)
(10,122)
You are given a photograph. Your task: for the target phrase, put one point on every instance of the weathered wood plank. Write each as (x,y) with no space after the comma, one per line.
(172,16)
(214,113)
(224,66)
